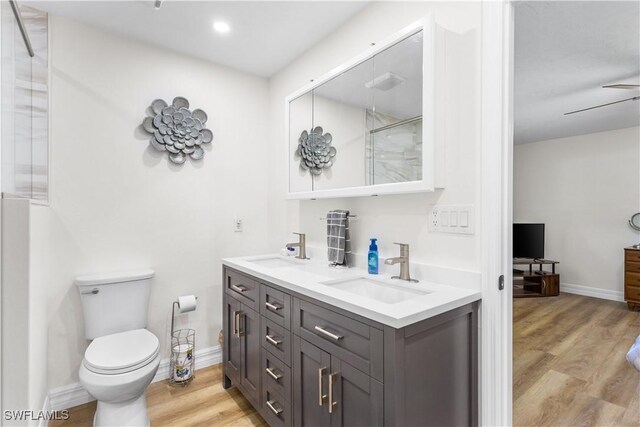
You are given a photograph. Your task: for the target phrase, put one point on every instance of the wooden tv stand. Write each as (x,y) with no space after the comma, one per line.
(534,282)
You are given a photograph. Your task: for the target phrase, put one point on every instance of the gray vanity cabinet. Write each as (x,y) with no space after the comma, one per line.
(302,362)
(311,367)
(241,349)
(355,398)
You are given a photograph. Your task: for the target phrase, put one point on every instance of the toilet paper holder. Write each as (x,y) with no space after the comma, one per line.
(173,314)
(182,362)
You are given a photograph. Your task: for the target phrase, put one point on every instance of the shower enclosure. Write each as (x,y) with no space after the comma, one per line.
(24,70)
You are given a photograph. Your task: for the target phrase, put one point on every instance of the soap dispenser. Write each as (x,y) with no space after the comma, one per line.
(372,258)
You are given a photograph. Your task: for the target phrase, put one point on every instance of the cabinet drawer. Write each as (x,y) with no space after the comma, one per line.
(277,340)
(631,255)
(243,288)
(632,279)
(632,293)
(275,410)
(354,342)
(276,306)
(632,267)
(276,375)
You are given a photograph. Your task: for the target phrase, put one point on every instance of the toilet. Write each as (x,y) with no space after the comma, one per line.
(123,356)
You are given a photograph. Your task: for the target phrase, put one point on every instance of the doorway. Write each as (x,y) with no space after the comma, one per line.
(575,160)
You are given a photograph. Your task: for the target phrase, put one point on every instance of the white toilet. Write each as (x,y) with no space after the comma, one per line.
(123,357)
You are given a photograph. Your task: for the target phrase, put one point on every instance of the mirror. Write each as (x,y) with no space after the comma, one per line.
(366,128)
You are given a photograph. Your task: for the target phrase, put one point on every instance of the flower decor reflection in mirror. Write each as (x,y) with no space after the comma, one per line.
(177,130)
(315,150)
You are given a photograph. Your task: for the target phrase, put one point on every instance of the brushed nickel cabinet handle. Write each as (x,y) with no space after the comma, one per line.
(273,374)
(273,340)
(321,396)
(240,324)
(331,402)
(272,306)
(91,292)
(328,334)
(275,410)
(239,288)
(235,324)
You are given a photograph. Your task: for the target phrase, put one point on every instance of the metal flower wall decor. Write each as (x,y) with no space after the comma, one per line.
(177,130)
(315,150)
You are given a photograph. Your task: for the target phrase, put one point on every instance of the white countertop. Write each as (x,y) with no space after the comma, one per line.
(307,276)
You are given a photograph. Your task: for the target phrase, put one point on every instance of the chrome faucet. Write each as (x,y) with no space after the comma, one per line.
(403,259)
(302,244)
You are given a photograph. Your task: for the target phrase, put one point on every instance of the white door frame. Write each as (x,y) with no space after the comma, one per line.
(496,154)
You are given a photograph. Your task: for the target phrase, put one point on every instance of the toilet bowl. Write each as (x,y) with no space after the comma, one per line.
(116,371)
(123,357)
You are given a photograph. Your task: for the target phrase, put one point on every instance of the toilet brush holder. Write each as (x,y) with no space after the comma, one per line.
(183,358)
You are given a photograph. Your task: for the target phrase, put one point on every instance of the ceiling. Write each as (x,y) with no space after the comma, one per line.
(564,53)
(264,36)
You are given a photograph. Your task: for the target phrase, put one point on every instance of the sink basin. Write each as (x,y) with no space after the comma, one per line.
(379,290)
(275,262)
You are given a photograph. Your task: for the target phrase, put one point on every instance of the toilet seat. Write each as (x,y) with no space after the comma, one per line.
(122,352)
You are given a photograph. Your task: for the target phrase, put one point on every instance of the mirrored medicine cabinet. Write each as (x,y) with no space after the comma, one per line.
(367,127)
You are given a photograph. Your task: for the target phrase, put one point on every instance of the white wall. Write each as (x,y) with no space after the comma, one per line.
(117,204)
(390,218)
(584,188)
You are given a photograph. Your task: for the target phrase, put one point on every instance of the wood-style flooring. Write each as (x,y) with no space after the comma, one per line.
(569,365)
(202,403)
(569,369)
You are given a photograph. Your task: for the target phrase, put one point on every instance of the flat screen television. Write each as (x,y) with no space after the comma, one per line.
(528,241)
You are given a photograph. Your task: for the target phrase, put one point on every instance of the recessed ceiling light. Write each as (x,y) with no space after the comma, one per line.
(221,27)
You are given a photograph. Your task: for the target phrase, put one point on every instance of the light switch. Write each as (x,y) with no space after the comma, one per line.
(453,219)
(464,218)
(444,218)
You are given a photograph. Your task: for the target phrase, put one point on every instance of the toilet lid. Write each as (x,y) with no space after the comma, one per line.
(121,352)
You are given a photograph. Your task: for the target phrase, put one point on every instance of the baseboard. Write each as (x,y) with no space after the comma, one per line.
(589,291)
(45,408)
(71,395)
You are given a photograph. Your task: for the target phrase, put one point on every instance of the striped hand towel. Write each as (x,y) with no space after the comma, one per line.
(338,239)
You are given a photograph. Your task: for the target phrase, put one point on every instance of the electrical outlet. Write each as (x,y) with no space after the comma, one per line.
(237,225)
(434,219)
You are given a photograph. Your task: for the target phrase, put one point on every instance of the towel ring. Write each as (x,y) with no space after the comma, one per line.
(634,222)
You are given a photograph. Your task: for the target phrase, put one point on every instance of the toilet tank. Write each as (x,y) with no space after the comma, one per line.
(114,302)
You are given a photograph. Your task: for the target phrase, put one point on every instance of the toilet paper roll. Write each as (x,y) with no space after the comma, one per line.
(187,303)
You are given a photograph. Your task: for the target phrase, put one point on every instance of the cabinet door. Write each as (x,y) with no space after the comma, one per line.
(250,343)
(232,339)
(356,399)
(311,368)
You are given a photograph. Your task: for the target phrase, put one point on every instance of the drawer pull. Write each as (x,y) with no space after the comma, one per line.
(331,402)
(275,410)
(273,374)
(321,396)
(328,334)
(273,340)
(272,306)
(239,288)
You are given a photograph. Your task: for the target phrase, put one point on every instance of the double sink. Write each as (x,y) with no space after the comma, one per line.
(381,290)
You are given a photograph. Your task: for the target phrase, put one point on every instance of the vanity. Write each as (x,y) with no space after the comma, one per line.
(313,345)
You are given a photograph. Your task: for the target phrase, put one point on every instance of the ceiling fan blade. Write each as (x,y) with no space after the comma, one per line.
(622,86)
(635,98)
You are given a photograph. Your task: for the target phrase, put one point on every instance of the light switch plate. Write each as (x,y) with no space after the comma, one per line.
(458,219)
